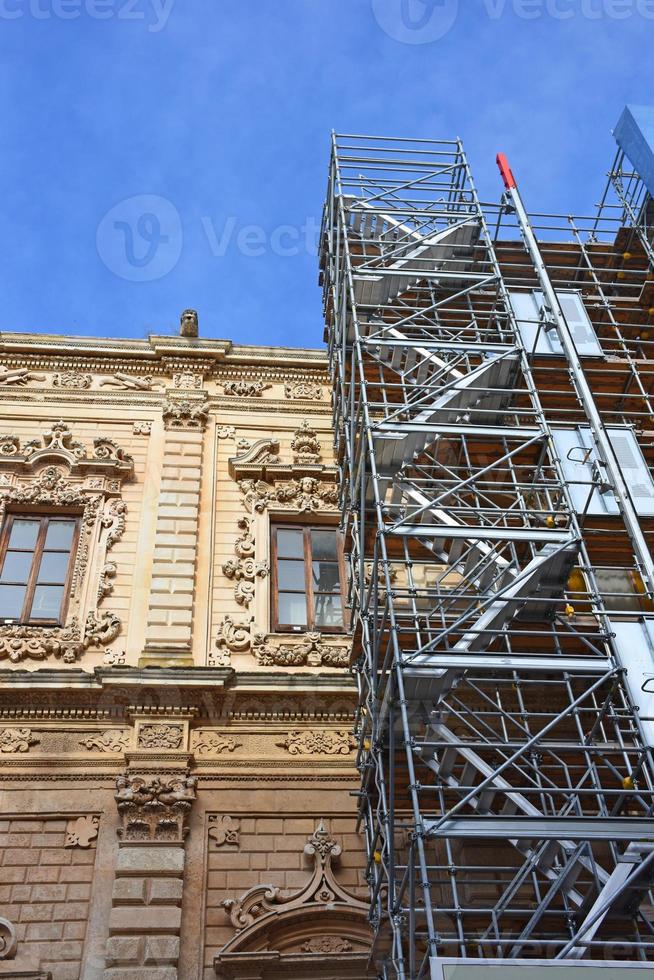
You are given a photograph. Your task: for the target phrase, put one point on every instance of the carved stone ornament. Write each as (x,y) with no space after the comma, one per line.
(160,736)
(213,743)
(18,376)
(154,809)
(132,382)
(142,428)
(8,939)
(186,379)
(232,636)
(17,739)
(185,413)
(245,389)
(307,390)
(80,832)
(304,495)
(318,743)
(72,379)
(225,431)
(305,445)
(224,829)
(322,916)
(253,458)
(56,471)
(188,323)
(311,651)
(245,570)
(112,740)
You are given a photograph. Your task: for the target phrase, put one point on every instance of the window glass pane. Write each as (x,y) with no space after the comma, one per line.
(290,543)
(47,602)
(60,535)
(323,545)
(17,566)
(11,601)
(290,575)
(24,534)
(325,576)
(53,567)
(328,611)
(292,609)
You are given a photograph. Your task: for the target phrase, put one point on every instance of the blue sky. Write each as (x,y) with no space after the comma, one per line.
(159,154)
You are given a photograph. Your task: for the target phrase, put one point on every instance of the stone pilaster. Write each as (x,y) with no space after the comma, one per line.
(170,612)
(146,910)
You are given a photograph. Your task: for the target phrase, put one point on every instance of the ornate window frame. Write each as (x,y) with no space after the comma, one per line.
(55,472)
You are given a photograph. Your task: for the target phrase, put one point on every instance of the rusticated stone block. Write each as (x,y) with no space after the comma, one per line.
(160,950)
(129,891)
(159,918)
(150,861)
(141,973)
(166,890)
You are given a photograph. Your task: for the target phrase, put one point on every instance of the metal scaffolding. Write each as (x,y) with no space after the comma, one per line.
(507,781)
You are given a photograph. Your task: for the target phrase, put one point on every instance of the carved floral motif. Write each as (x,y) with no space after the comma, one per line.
(154,809)
(185,414)
(80,832)
(305,445)
(312,651)
(245,570)
(142,428)
(225,431)
(233,635)
(213,743)
(17,739)
(245,389)
(307,390)
(160,736)
(9,445)
(186,379)
(318,743)
(224,829)
(326,944)
(112,740)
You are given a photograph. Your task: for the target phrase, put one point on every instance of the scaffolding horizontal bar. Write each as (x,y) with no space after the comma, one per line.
(545,828)
(388,429)
(489,661)
(480,533)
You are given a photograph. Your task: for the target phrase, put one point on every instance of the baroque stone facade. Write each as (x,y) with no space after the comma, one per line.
(176,768)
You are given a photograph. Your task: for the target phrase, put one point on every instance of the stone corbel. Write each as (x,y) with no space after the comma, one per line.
(154,809)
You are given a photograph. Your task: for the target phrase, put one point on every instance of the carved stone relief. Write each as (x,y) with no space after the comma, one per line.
(131,382)
(112,740)
(305,495)
(72,379)
(17,739)
(245,389)
(213,743)
(18,376)
(8,939)
(245,570)
(80,832)
(185,414)
(186,379)
(142,428)
(224,829)
(154,809)
(305,445)
(310,651)
(318,743)
(160,736)
(225,431)
(306,390)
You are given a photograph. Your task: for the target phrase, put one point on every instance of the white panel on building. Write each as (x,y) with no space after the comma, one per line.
(582,469)
(528,310)
(634,644)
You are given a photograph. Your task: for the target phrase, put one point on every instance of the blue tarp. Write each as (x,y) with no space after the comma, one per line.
(634,134)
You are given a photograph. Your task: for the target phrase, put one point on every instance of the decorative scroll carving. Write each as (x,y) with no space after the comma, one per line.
(160,737)
(253,457)
(112,740)
(105,585)
(311,651)
(154,809)
(185,414)
(58,438)
(305,445)
(304,495)
(245,570)
(114,519)
(80,832)
(72,379)
(225,431)
(102,629)
(18,376)
(318,743)
(57,444)
(17,739)
(9,445)
(213,743)
(114,658)
(8,939)
(303,389)
(106,448)
(233,634)
(142,428)
(131,381)
(245,389)
(321,890)
(224,829)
